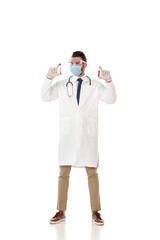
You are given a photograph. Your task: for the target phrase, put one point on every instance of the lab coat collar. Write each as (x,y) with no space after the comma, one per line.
(84,78)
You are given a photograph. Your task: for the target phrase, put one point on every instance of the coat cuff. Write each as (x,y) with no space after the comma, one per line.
(108,83)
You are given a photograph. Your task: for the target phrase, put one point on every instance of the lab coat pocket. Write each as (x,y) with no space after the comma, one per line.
(64,125)
(92,127)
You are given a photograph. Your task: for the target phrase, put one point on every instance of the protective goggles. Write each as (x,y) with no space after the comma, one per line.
(75,60)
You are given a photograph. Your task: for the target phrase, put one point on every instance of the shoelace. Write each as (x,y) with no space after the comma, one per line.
(57,214)
(98,215)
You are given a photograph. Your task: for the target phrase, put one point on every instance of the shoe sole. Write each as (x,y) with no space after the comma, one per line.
(97,223)
(53,222)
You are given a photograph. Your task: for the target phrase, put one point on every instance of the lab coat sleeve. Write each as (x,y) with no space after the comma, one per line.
(107,92)
(49,92)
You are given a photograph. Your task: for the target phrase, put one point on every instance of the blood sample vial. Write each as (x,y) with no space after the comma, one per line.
(99,71)
(60,68)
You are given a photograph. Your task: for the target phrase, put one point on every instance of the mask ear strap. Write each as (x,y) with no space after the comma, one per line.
(83,64)
(82,67)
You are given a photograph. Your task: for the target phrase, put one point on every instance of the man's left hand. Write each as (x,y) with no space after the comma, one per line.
(105,75)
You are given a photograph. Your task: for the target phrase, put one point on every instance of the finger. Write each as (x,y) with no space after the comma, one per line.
(57,74)
(51,69)
(108,73)
(101,77)
(103,72)
(57,66)
(55,70)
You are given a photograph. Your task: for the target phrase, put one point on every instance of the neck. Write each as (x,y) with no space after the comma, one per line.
(82,74)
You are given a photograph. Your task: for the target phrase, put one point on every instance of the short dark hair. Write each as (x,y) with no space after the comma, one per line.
(79,54)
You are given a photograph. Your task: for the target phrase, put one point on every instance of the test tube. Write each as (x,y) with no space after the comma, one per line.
(99,71)
(60,68)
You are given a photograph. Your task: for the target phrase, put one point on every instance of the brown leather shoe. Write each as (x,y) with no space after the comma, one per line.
(58,217)
(96,217)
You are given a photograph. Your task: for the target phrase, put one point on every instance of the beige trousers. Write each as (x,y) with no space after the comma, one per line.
(93,185)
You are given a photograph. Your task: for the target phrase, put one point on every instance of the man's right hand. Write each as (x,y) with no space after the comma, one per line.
(52,72)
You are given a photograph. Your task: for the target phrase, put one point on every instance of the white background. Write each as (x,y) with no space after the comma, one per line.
(121,36)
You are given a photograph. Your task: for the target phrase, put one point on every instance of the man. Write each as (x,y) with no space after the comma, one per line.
(78,127)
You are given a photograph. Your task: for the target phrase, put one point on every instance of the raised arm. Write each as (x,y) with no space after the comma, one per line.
(49,92)
(107,91)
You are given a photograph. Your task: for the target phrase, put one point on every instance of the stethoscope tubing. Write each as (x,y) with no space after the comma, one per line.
(69,82)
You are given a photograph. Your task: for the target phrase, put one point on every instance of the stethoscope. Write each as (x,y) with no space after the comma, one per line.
(71,84)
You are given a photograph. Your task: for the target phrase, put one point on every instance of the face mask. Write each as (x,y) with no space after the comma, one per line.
(76,69)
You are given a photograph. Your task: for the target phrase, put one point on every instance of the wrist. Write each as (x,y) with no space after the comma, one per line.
(50,78)
(108,80)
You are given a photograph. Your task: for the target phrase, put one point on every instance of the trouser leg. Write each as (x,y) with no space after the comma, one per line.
(63,184)
(93,184)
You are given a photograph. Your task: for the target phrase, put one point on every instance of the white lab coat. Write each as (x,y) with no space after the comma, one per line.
(78,124)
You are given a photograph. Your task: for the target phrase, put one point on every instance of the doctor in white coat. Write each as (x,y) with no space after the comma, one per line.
(78,127)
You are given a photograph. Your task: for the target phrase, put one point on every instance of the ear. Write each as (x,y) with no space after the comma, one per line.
(85,64)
